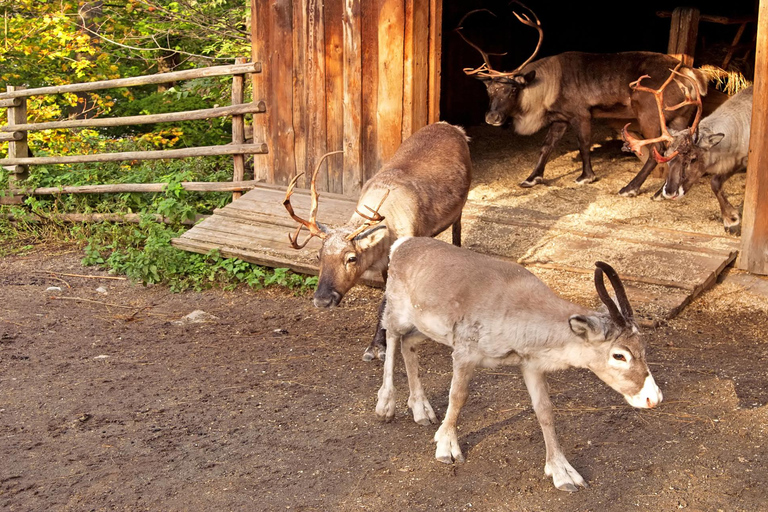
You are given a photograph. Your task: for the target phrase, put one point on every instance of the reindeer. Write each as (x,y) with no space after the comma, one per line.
(419,192)
(572,88)
(717,146)
(495,312)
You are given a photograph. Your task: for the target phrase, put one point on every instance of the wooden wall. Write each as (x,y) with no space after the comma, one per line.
(358,75)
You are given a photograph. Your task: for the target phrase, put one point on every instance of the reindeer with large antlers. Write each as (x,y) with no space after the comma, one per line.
(717,146)
(419,192)
(493,312)
(572,88)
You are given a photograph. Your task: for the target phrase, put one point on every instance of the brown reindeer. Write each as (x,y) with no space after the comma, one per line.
(572,88)
(419,192)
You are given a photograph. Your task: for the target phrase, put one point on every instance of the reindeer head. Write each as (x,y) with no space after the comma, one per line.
(503,87)
(685,148)
(347,251)
(687,155)
(615,337)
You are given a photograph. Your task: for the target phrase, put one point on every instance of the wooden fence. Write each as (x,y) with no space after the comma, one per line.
(19,158)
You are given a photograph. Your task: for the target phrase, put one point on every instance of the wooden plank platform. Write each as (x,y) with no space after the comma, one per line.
(663,269)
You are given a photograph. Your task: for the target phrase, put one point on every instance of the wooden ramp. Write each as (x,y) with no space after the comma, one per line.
(663,270)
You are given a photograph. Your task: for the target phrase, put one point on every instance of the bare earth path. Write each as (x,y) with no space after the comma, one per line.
(107,404)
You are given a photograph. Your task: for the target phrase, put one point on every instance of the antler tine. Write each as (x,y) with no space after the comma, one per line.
(635,144)
(526,20)
(613,310)
(484,69)
(618,288)
(688,100)
(311,225)
(376,218)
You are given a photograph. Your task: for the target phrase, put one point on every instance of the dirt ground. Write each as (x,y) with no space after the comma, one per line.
(108,402)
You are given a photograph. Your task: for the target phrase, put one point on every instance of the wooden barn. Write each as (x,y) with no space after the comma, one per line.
(362,75)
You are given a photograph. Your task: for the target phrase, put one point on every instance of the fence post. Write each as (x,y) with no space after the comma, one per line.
(238,126)
(17,148)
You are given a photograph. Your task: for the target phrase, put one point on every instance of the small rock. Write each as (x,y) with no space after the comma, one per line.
(198,316)
(53,289)
(102,356)
(101,290)
(280,331)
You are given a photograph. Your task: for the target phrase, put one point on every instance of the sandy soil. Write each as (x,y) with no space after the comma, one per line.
(107,403)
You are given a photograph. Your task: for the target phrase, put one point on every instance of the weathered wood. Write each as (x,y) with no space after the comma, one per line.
(7,137)
(722,20)
(754,231)
(188,74)
(238,127)
(684,28)
(415,67)
(281,90)
(435,57)
(13,102)
(300,117)
(260,28)
(196,186)
(391,18)
(130,218)
(316,140)
(227,149)
(370,80)
(17,116)
(334,90)
(190,115)
(353,98)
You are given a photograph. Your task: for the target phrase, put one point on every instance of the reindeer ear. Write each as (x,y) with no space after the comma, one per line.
(371,237)
(589,328)
(526,79)
(323,228)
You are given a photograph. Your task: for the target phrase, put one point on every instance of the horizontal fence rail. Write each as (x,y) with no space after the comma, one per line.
(192,186)
(161,78)
(224,149)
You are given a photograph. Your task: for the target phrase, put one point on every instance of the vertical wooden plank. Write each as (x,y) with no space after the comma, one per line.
(390,89)
(435,56)
(263,170)
(238,127)
(408,57)
(281,89)
(754,231)
(684,29)
(353,98)
(18,148)
(300,116)
(370,77)
(420,73)
(315,84)
(334,90)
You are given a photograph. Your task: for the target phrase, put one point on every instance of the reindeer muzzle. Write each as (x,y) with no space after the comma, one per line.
(649,396)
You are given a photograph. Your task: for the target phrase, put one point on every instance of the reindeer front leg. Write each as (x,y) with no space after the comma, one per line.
(385,406)
(555,133)
(446,437)
(557,466)
(731,217)
(423,414)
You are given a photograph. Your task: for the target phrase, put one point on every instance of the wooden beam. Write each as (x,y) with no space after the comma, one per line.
(17,116)
(391,18)
(353,98)
(334,90)
(683,31)
(754,231)
(435,57)
(281,90)
(315,85)
(196,186)
(190,115)
(225,149)
(300,114)
(238,127)
(260,27)
(162,78)
(370,82)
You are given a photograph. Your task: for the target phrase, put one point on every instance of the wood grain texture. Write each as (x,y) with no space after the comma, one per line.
(435,56)
(353,98)
(281,89)
(369,89)
(334,90)
(238,126)
(389,103)
(315,84)
(260,27)
(754,231)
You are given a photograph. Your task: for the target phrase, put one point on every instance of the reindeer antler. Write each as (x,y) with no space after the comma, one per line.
(486,70)
(636,144)
(622,318)
(311,224)
(371,220)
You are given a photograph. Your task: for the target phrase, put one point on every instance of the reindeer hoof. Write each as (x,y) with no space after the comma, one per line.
(658,196)
(628,192)
(531,182)
(368,355)
(568,487)
(584,180)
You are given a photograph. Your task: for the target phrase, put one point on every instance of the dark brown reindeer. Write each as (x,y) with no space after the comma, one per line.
(572,88)
(419,192)
(718,146)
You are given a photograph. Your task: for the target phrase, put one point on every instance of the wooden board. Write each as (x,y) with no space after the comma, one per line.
(663,269)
